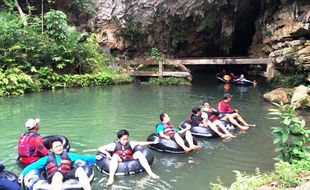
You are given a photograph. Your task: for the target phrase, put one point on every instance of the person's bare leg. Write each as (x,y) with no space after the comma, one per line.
(190,140)
(214,128)
(231,119)
(238,116)
(83,179)
(113,167)
(221,126)
(180,141)
(143,161)
(57,181)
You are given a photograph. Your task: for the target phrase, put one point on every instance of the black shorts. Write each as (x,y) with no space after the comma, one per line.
(68,175)
(182,135)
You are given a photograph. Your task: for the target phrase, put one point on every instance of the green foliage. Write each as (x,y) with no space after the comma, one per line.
(285,174)
(208,22)
(15,82)
(291,76)
(56,24)
(266,32)
(49,79)
(8,4)
(133,32)
(177,30)
(156,54)
(288,174)
(168,81)
(245,181)
(224,44)
(292,137)
(47,59)
(84,6)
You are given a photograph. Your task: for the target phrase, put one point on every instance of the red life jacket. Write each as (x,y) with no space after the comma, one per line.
(168,129)
(28,149)
(213,115)
(52,166)
(125,152)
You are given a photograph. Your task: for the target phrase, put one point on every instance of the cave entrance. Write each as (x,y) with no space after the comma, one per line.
(245,27)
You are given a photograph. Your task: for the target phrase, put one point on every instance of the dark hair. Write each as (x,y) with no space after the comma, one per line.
(121,133)
(206,101)
(195,110)
(52,140)
(161,116)
(226,96)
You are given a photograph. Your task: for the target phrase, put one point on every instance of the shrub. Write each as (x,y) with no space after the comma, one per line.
(292,136)
(168,81)
(15,82)
(292,76)
(56,24)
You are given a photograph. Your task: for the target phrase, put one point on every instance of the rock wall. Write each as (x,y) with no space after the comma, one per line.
(178,28)
(284,34)
(199,28)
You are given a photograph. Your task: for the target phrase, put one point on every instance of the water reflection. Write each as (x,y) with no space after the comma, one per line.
(89,118)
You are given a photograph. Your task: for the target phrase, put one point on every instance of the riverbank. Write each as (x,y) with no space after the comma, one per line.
(16,82)
(285,176)
(293,159)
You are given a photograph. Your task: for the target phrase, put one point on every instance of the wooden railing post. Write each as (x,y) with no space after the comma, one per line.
(160,68)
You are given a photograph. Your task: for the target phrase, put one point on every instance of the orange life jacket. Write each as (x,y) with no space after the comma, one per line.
(227,77)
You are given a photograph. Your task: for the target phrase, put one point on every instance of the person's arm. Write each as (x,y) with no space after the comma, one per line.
(196,122)
(41,148)
(39,164)
(220,107)
(253,82)
(161,134)
(185,129)
(86,158)
(230,110)
(224,107)
(215,112)
(160,131)
(144,143)
(105,149)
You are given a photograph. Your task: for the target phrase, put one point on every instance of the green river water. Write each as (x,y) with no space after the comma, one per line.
(90,117)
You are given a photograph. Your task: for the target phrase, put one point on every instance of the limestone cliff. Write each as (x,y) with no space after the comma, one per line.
(284,34)
(178,28)
(199,28)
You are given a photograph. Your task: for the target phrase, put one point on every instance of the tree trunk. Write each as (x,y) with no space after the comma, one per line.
(21,13)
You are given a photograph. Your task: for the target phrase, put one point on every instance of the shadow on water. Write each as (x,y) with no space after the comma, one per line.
(90,117)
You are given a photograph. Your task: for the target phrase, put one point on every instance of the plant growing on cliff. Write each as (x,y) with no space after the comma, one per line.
(208,22)
(291,76)
(177,30)
(266,32)
(292,136)
(156,54)
(224,43)
(133,32)
(84,6)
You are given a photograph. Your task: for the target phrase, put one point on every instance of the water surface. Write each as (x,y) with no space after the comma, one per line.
(90,117)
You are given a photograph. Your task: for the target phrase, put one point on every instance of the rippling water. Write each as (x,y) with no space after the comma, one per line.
(90,117)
